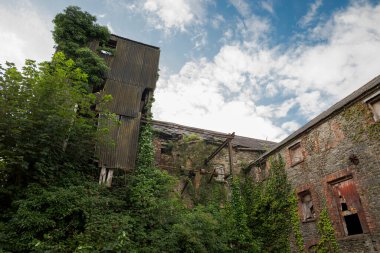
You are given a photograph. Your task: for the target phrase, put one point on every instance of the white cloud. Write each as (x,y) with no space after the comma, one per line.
(199,39)
(242,7)
(290,126)
(227,93)
(268,6)
(175,14)
(110,28)
(25,33)
(217,20)
(310,15)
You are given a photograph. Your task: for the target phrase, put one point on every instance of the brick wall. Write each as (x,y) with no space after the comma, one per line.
(346,145)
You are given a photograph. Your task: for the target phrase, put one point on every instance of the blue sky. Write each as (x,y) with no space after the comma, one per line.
(259,68)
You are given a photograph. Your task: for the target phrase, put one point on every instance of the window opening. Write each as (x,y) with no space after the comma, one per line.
(375,108)
(296,154)
(144,100)
(308,211)
(219,173)
(353,224)
(166,149)
(111,43)
(349,206)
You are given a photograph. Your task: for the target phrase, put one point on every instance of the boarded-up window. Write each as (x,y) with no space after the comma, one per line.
(349,206)
(308,212)
(296,154)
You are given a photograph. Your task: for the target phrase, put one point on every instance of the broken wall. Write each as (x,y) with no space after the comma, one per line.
(339,168)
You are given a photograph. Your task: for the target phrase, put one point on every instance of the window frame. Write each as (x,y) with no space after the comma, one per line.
(292,150)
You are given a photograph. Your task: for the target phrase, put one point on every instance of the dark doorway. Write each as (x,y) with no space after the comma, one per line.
(353,224)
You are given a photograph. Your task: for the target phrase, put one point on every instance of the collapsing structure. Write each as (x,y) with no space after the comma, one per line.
(130,81)
(332,162)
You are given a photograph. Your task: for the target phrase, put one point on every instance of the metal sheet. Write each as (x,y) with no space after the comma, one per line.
(122,152)
(126,99)
(133,68)
(346,190)
(134,63)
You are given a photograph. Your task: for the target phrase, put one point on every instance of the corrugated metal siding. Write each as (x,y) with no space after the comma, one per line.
(150,70)
(125,98)
(122,152)
(133,68)
(134,64)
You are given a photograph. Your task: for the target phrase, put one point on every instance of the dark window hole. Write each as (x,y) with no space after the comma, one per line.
(353,224)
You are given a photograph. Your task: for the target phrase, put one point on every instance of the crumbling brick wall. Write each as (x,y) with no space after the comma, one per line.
(344,147)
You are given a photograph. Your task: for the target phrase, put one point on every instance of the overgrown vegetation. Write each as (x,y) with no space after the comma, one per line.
(73,32)
(327,243)
(359,123)
(50,198)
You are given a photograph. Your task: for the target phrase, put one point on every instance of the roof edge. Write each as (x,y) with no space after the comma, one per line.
(352,98)
(135,41)
(202,131)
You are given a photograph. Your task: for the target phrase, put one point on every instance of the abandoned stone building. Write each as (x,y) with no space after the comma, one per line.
(332,161)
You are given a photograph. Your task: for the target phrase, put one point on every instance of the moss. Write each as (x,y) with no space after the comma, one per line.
(359,124)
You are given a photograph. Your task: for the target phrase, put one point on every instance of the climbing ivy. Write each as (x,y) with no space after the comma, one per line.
(327,243)
(296,222)
(359,123)
(73,30)
(268,208)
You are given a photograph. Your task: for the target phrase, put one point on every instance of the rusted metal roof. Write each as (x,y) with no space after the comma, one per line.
(175,130)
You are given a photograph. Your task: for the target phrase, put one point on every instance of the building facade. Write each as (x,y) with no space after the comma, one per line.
(333,162)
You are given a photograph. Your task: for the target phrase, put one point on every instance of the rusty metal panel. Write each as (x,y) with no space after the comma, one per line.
(126,99)
(134,63)
(122,152)
(106,150)
(127,63)
(150,69)
(127,143)
(345,192)
(133,67)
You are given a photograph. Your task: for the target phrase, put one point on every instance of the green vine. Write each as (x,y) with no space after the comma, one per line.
(327,242)
(296,222)
(359,123)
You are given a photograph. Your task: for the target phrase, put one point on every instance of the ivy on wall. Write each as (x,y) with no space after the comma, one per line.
(359,123)
(296,222)
(327,243)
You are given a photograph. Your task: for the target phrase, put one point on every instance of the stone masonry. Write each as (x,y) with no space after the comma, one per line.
(334,162)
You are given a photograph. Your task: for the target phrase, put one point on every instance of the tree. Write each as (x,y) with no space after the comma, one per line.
(43,109)
(268,208)
(73,32)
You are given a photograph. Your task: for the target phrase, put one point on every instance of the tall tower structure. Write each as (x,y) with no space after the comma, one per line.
(130,81)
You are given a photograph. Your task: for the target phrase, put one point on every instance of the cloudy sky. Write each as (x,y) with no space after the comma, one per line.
(260,68)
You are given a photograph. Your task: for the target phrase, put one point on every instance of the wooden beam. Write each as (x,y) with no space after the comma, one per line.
(212,175)
(227,141)
(230,157)
(184,187)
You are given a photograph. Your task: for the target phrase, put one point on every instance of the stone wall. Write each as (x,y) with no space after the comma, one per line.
(183,155)
(339,157)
